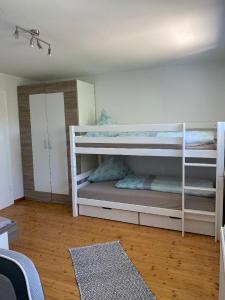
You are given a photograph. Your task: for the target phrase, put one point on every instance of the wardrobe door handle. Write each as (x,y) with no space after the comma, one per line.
(49,144)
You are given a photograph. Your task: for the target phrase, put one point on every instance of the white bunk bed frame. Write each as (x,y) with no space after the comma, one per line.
(196,221)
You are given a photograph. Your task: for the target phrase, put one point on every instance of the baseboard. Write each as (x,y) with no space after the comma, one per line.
(19,199)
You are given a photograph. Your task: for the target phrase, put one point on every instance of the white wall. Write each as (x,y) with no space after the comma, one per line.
(188,92)
(170,93)
(9,85)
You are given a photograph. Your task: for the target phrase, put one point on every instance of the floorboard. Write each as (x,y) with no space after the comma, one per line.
(173,267)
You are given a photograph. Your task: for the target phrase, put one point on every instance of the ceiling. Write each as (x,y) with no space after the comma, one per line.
(97,36)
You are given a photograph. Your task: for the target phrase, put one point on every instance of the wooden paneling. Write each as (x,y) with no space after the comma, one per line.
(71,118)
(39,196)
(173,267)
(26,143)
(53,87)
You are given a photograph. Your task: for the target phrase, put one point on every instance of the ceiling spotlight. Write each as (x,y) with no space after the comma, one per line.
(39,44)
(34,37)
(32,41)
(35,31)
(16,33)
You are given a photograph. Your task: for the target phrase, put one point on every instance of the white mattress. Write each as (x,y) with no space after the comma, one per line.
(107,192)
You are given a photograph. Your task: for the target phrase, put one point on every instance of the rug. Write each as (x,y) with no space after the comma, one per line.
(105,272)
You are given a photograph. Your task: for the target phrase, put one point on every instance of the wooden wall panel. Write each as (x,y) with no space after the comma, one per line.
(71,118)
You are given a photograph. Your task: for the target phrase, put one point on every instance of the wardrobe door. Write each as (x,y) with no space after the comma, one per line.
(6,193)
(57,143)
(86,116)
(86,103)
(40,151)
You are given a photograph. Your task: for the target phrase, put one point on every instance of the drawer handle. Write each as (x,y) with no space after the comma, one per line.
(106,207)
(176,218)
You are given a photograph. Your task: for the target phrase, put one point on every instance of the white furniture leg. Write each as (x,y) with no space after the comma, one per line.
(222,265)
(4,242)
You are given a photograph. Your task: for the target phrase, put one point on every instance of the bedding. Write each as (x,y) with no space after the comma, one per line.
(167,184)
(193,137)
(104,119)
(137,133)
(112,168)
(108,192)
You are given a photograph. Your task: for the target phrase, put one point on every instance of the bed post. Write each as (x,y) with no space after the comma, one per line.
(183,175)
(219,177)
(73,171)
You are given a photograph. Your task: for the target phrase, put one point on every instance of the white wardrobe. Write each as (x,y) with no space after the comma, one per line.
(48,132)
(46,111)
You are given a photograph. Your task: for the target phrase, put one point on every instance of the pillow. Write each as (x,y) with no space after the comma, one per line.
(112,168)
(192,137)
(131,181)
(200,137)
(104,119)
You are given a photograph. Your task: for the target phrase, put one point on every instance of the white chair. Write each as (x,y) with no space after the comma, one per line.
(19,279)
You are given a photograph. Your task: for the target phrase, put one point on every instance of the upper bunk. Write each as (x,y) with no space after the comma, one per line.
(150,139)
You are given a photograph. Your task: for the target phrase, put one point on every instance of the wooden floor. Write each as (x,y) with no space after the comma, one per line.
(172,266)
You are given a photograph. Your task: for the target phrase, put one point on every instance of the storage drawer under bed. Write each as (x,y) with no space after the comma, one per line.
(160,221)
(166,222)
(191,224)
(109,213)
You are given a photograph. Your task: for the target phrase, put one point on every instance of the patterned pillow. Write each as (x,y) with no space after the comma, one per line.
(131,181)
(193,137)
(104,119)
(112,168)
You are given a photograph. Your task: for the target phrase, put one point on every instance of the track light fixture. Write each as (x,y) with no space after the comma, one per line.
(34,36)
(39,45)
(32,41)
(49,51)
(16,33)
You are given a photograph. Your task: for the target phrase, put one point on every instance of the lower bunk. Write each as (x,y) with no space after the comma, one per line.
(149,208)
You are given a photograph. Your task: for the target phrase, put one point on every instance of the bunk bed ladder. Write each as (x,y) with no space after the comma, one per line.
(187,187)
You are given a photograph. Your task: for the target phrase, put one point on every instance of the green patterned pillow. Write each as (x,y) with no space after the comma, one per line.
(104,119)
(132,181)
(112,168)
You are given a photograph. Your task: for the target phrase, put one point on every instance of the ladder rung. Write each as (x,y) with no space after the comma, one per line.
(200,212)
(200,165)
(195,188)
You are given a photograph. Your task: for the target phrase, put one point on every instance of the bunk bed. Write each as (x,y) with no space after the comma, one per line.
(158,209)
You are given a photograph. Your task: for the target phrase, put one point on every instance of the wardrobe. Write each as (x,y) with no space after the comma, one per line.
(45,111)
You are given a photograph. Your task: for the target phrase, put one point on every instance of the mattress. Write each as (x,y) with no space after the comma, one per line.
(148,146)
(107,191)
